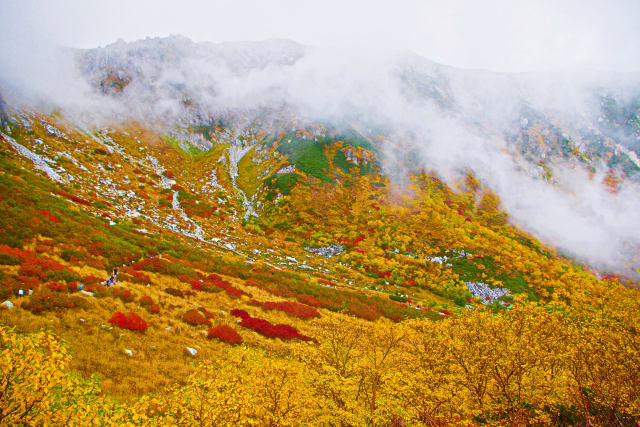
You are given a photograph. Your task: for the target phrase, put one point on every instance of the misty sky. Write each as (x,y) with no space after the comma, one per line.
(503,35)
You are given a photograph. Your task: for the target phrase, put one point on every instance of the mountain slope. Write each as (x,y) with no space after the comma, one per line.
(366,286)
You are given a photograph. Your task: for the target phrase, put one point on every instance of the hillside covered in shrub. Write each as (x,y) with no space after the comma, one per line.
(282,278)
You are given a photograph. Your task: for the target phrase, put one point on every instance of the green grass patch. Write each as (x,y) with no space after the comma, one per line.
(283,183)
(307,155)
(248,174)
(184,147)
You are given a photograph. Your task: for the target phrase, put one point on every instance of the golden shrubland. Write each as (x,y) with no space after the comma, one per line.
(529,365)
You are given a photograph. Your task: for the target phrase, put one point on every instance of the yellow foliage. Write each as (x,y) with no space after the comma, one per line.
(37,389)
(528,365)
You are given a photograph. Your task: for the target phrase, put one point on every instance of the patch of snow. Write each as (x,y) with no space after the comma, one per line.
(326,251)
(287,169)
(486,293)
(199,232)
(38,161)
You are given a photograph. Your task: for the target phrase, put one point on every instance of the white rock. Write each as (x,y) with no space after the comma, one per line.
(7,304)
(128,352)
(191,351)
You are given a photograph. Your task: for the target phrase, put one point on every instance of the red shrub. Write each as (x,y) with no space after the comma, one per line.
(293,308)
(230,290)
(193,317)
(155,264)
(410,282)
(55,286)
(27,282)
(154,308)
(352,242)
(45,301)
(61,287)
(226,334)
(30,271)
(261,326)
(15,252)
(129,321)
(365,311)
(254,303)
(80,200)
(382,274)
(207,313)
(42,248)
(91,280)
(51,216)
(240,313)
(95,248)
(195,283)
(145,301)
(133,276)
(37,267)
(310,300)
(124,294)
(72,197)
(269,330)
(175,292)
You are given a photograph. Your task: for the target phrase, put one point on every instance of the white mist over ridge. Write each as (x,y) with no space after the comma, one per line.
(455,119)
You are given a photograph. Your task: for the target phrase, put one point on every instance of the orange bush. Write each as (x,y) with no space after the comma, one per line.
(124,294)
(175,292)
(48,301)
(145,301)
(193,317)
(206,313)
(129,321)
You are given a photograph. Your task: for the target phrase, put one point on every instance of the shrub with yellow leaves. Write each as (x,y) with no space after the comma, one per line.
(37,389)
